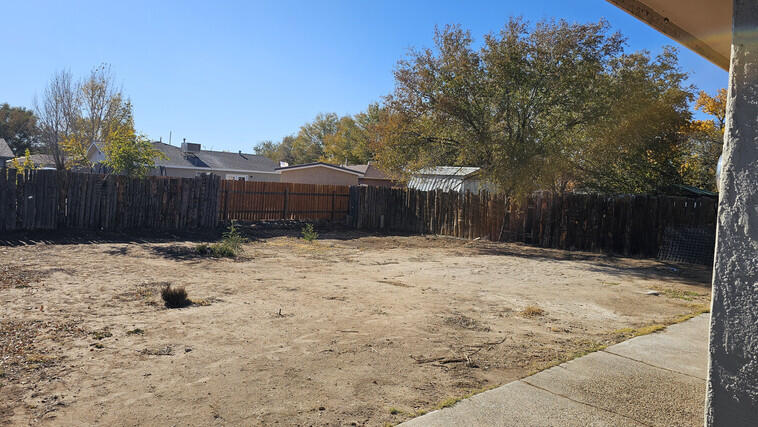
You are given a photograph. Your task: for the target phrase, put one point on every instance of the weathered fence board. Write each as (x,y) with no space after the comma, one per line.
(50,200)
(638,225)
(254,201)
(629,224)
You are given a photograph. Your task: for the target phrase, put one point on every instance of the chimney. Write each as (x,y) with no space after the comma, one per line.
(189,147)
(283,164)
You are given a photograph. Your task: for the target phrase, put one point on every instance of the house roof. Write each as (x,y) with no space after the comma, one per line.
(216,160)
(321,165)
(450,171)
(369,171)
(40,160)
(5,150)
(358,168)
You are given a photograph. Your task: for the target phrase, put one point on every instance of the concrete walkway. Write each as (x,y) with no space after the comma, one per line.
(652,380)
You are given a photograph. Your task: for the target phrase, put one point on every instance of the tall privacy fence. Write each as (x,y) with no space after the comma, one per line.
(254,201)
(668,227)
(50,200)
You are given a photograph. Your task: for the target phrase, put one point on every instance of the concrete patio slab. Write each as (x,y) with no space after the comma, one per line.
(681,348)
(655,379)
(520,404)
(650,395)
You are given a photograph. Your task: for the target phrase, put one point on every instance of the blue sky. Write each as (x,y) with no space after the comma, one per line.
(229,74)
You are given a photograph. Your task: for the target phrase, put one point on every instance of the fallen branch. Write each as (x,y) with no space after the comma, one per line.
(441,360)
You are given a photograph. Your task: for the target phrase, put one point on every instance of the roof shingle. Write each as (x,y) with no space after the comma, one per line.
(217,160)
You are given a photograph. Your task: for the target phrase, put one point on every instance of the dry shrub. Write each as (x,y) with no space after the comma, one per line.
(309,234)
(532,311)
(174,297)
(230,245)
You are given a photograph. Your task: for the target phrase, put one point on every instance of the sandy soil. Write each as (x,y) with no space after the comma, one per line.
(349,330)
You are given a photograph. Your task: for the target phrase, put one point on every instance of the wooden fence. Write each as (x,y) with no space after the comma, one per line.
(49,200)
(253,201)
(639,225)
(629,225)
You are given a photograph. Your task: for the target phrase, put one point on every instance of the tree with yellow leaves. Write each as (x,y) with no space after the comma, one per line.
(26,165)
(705,141)
(714,106)
(96,108)
(126,152)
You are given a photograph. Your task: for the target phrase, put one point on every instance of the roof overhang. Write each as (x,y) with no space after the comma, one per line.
(705,26)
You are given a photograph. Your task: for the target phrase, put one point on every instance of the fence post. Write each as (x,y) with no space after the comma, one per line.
(226,204)
(286,201)
(334,196)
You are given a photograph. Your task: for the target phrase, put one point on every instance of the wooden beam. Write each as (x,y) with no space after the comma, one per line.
(665,26)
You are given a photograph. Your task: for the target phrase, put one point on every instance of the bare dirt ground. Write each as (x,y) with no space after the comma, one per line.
(349,330)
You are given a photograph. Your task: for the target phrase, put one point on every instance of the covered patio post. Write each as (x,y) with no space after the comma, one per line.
(732,393)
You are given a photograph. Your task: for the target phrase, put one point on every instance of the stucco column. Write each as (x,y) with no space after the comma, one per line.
(732,394)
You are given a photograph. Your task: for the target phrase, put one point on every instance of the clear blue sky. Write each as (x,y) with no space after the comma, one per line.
(229,74)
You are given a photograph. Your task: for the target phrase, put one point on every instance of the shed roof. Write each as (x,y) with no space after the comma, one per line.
(456,171)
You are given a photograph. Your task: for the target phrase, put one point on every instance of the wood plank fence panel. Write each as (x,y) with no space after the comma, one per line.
(255,201)
(627,224)
(50,200)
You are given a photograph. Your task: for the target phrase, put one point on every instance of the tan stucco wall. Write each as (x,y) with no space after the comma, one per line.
(261,177)
(319,175)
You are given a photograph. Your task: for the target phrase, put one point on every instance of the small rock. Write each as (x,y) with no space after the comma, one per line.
(656,293)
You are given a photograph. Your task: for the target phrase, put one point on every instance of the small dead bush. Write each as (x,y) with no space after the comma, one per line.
(174,297)
(532,311)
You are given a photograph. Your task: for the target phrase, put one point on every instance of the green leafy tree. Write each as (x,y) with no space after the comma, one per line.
(551,106)
(305,147)
(18,127)
(639,145)
(508,107)
(308,146)
(279,152)
(127,153)
(353,141)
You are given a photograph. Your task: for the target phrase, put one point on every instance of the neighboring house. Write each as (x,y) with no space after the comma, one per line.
(327,173)
(5,152)
(40,161)
(449,178)
(319,173)
(372,176)
(190,160)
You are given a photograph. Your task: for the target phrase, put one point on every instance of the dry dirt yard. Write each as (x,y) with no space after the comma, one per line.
(348,330)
